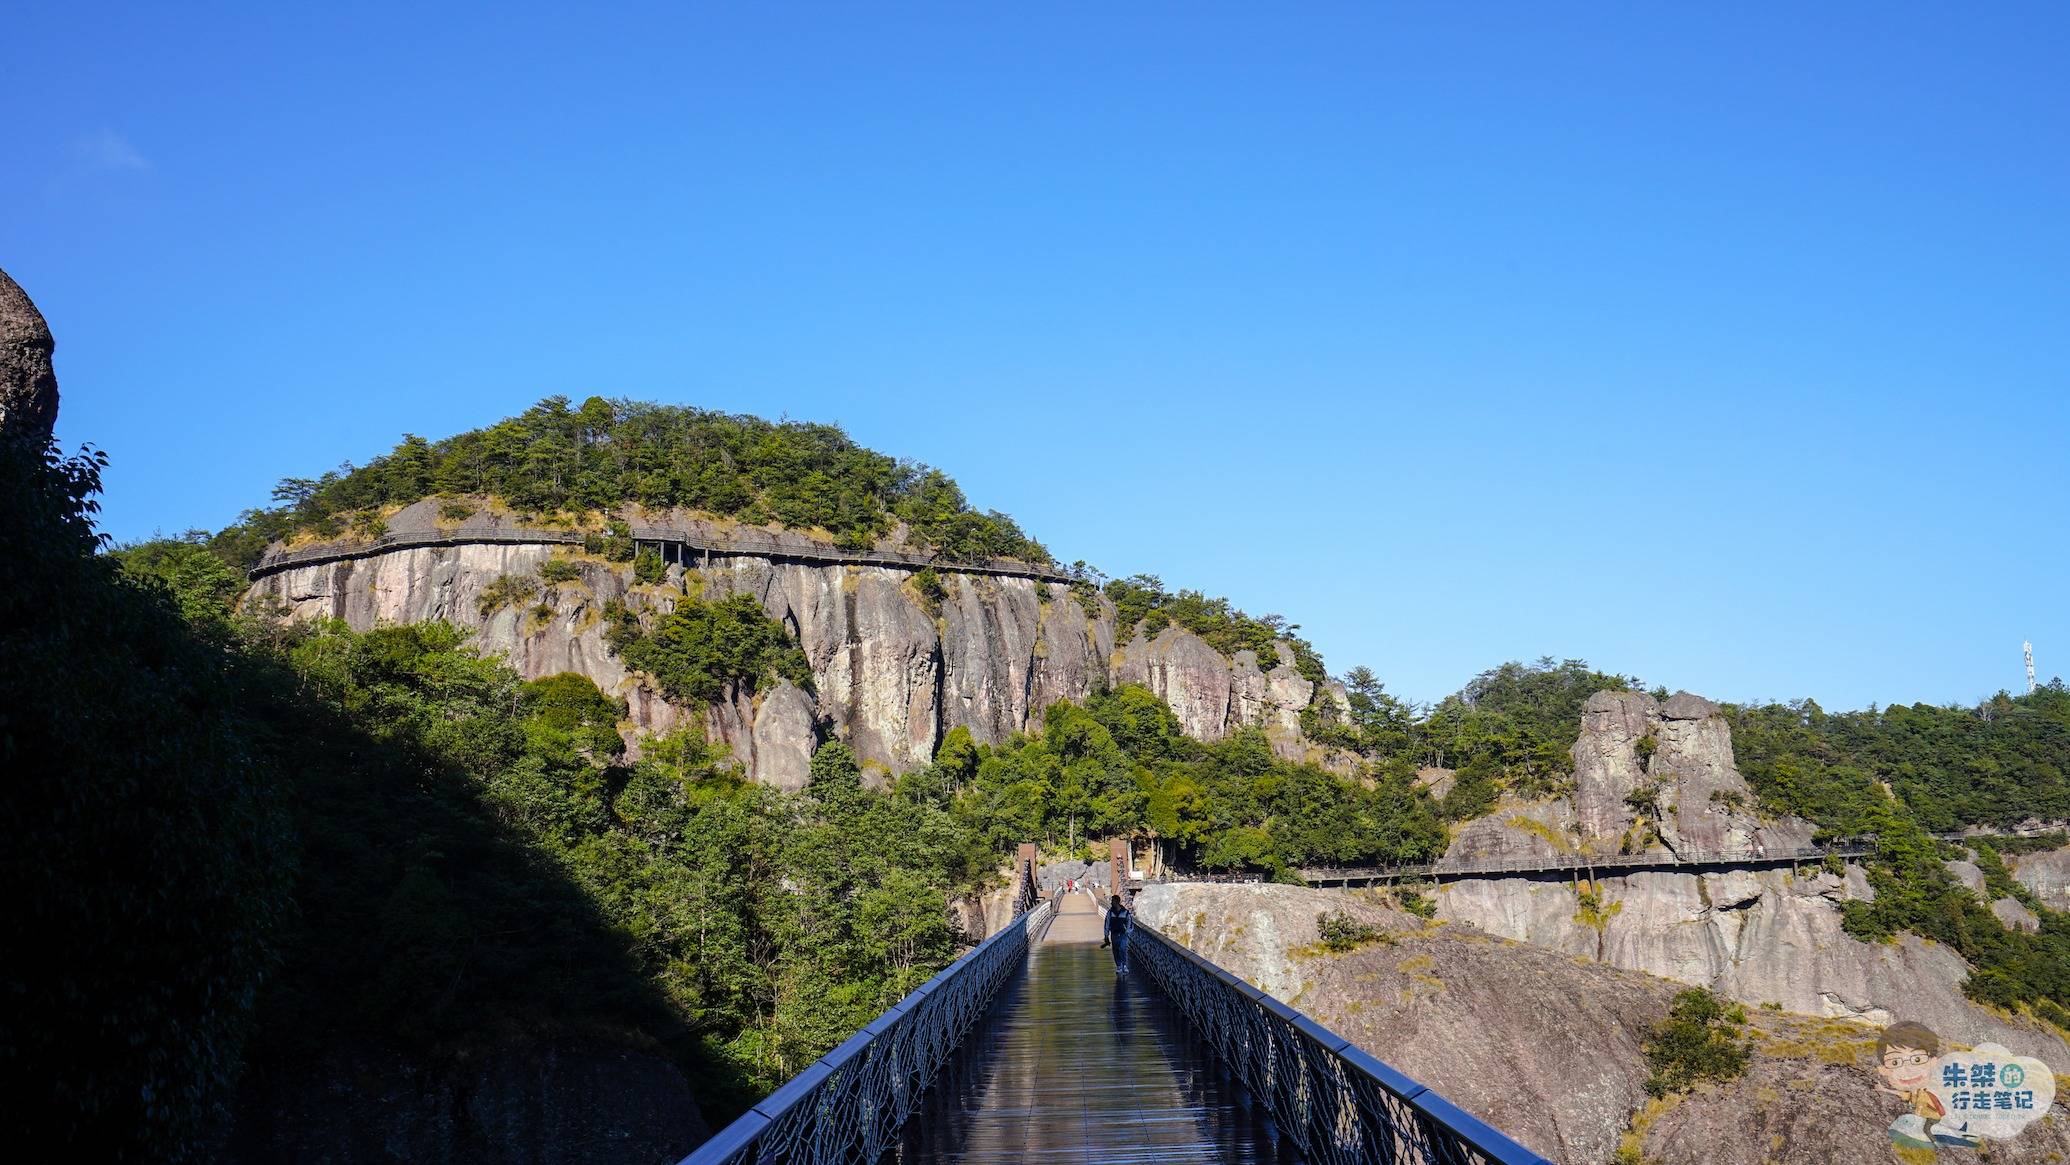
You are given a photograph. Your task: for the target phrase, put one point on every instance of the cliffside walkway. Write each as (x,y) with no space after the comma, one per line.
(674,543)
(1032,1050)
(1076,1065)
(1534,865)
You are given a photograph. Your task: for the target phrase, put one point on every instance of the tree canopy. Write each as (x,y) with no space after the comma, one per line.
(603,454)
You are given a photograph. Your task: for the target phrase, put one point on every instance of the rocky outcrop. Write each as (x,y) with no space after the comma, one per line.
(515,1106)
(1651,773)
(2047,874)
(28,383)
(1550,1048)
(892,670)
(1659,776)
(1494,1027)
(1759,936)
(1819,1106)
(2014,915)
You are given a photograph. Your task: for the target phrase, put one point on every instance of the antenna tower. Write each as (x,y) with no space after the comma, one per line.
(2028,650)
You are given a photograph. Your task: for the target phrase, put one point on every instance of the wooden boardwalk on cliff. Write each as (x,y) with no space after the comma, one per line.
(1076,1065)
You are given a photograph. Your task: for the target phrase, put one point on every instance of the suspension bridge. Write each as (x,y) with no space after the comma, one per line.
(1032,1050)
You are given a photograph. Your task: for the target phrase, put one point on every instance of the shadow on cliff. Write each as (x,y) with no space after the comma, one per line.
(445,991)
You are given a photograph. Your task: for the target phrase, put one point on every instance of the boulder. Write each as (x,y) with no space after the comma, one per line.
(28,382)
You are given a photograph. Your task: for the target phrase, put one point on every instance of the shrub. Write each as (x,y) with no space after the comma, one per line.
(932,592)
(696,650)
(1340,932)
(648,567)
(506,591)
(559,570)
(455,511)
(1699,1040)
(368,524)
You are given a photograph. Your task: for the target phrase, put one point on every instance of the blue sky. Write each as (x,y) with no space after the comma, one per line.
(1722,347)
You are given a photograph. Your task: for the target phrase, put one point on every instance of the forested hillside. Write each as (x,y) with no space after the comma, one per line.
(605,454)
(387,837)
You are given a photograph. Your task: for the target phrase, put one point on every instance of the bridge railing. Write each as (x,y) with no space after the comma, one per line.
(850,1105)
(1337,1104)
(812,552)
(1580,863)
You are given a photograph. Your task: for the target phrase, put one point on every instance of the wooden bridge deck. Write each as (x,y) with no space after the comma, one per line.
(1077,1065)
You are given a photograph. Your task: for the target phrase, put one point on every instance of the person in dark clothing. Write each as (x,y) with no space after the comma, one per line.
(1119,920)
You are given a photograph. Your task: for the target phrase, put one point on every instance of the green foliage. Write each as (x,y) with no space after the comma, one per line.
(1699,1040)
(1120,764)
(198,582)
(2014,846)
(455,511)
(1415,902)
(748,930)
(559,570)
(1511,729)
(648,567)
(1143,600)
(146,854)
(560,458)
(1996,764)
(1524,718)
(697,650)
(928,584)
(1341,933)
(506,590)
(1999,763)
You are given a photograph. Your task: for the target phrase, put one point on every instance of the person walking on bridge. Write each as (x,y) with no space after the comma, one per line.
(1119,921)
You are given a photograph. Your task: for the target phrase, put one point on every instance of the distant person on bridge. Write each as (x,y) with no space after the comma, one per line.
(1119,920)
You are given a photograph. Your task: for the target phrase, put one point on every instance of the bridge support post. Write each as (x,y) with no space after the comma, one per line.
(1117,867)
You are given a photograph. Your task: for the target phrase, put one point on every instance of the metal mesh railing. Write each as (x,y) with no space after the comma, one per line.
(1450,869)
(1335,1103)
(850,1105)
(703,544)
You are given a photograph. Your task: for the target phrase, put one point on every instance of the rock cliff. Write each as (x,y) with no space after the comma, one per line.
(1497,1028)
(1659,775)
(2047,874)
(892,670)
(1546,1046)
(28,385)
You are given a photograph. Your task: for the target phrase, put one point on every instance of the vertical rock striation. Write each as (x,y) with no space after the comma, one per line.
(892,672)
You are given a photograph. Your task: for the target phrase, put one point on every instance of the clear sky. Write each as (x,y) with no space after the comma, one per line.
(1722,347)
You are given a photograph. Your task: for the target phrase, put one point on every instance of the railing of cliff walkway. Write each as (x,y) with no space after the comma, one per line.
(1337,1104)
(1585,863)
(850,1105)
(273,563)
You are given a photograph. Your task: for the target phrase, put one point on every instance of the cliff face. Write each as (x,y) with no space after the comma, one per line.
(890,675)
(1548,1047)
(1761,936)
(1496,1028)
